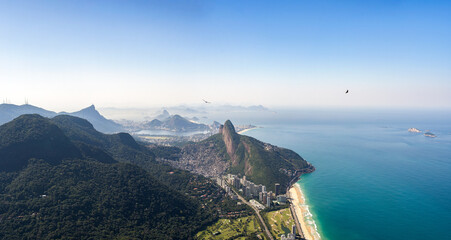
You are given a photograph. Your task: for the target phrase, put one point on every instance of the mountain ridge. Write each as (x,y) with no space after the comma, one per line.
(8,112)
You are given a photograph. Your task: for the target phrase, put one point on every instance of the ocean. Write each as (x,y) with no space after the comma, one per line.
(373,180)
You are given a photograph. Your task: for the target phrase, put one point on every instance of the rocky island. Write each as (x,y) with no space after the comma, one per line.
(414,130)
(429,134)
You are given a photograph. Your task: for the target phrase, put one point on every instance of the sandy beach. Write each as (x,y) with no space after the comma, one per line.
(303,214)
(245,130)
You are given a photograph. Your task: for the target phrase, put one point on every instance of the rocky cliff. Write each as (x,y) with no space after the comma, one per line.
(229,152)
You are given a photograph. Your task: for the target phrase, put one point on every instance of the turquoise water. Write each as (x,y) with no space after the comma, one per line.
(373,181)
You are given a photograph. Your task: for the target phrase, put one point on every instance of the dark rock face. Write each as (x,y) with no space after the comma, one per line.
(231,140)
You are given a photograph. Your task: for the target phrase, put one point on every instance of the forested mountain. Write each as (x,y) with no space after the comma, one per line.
(229,152)
(59,180)
(32,136)
(123,148)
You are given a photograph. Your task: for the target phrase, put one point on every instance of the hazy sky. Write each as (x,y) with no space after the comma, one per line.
(65,55)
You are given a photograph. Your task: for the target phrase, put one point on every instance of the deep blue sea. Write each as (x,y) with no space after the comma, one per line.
(373,180)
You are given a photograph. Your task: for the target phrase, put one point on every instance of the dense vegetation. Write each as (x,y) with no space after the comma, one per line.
(33,136)
(123,148)
(85,199)
(60,178)
(166,152)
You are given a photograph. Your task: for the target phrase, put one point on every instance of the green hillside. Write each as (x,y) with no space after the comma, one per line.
(260,162)
(53,187)
(123,148)
(83,199)
(33,136)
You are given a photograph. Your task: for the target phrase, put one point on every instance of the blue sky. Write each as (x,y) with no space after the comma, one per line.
(65,55)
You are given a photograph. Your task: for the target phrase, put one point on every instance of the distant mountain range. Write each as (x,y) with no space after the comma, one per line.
(10,111)
(175,123)
(163,121)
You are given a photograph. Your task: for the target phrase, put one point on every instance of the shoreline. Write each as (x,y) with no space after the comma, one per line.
(302,213)
(245,130)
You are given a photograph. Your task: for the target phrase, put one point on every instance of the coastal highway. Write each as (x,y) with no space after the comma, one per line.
(267,232)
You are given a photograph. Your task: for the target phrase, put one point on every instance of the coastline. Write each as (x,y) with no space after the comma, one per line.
(302,213)
(245,130)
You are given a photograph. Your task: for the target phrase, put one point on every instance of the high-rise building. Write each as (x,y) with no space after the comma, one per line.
(236,182)
(260,196)
(268,201)
(248,193)
(277,189)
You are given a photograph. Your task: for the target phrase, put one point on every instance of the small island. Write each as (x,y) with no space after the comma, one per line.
(429,134)
(414,130)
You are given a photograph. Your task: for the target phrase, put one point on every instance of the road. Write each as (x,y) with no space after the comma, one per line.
(268,233)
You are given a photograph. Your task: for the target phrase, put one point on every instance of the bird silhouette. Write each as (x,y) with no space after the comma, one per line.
(347,91)
(205,101)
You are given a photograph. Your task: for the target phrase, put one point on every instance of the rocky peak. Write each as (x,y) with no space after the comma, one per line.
(231,138)
(90,108)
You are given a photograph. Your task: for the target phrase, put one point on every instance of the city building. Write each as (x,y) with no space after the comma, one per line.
(277,189)
(247,192)
(282,199)
(247,188)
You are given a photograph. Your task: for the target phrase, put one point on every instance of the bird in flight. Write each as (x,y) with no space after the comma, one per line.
(347,91)
(205,101)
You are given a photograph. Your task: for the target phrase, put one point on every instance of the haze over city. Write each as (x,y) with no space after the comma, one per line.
(65,55)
